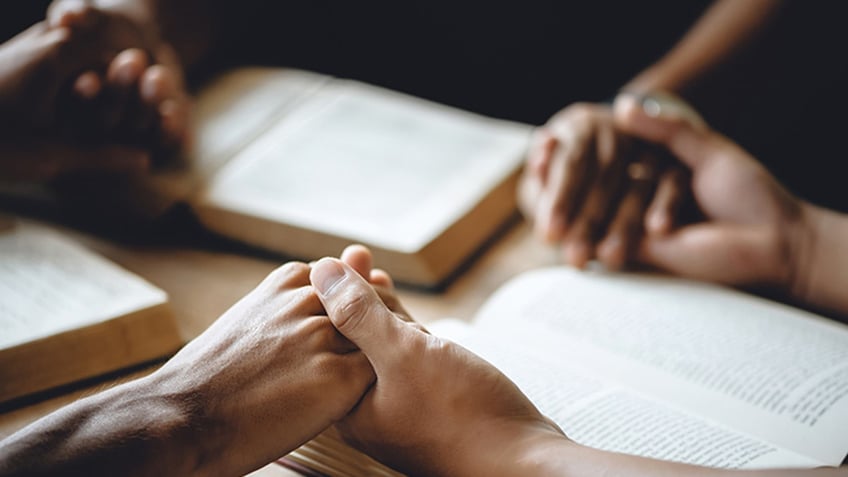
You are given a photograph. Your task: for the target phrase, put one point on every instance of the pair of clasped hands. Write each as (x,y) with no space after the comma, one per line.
(344,350)
(90,90)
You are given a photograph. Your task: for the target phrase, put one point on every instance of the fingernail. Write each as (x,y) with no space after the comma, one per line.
(651,106)
(667,106)
(326,274)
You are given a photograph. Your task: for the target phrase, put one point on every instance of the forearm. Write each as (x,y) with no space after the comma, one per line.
(728,29)
(132,429)
(821,260)
(560,457)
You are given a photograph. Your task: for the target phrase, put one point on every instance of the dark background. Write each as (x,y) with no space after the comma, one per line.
(526,60)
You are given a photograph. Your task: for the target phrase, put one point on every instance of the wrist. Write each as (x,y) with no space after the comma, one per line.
(820,260)
(524,448)
(191,424)
(159,425)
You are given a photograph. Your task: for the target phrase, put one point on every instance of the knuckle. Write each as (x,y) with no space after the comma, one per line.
(290,274)
(328,365)
(319,330)
(352,312)
(581,111)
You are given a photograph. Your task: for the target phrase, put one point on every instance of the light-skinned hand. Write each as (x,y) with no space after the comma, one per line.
(753,227)
(435,408)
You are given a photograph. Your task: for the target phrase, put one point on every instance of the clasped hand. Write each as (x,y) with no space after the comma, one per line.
(595,184)
(88,90)
(318,345)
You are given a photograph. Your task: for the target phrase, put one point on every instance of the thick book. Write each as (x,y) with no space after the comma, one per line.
(304,164)
(67,313)
(657,367)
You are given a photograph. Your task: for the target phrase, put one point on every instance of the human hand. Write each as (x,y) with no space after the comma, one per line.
(268,375)
(359,258)
(753,227)
(136,93)
(33,68)
(594,190)
(436,408)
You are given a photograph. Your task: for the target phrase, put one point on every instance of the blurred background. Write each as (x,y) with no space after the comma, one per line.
(526,60)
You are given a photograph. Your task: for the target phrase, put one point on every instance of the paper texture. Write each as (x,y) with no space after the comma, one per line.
(50,284)
(370,165)
(670,369)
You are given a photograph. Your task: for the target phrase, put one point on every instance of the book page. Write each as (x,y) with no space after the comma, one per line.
(767,369)
(601,414)
(50,284)
(231,112)
(370,165)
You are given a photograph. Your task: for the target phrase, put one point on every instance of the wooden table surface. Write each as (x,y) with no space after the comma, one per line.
(202,284)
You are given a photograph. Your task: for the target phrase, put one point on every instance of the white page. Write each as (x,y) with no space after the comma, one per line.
(766,369)
(241,105)
(229,113)
(371,165)
(50,284)
(595,412)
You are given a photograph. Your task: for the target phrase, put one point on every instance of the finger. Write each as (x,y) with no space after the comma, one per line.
(289,275)
(71,14)
(648,119)
(539,154)
(667,202)
(160,88)
(625,230)
(122,75)
(381,278)
(597,209)
(357,311)
(570,171)
(359,258)
(88,85)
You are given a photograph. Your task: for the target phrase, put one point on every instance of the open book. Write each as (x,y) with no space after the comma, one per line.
(68,314)
(657,367)
(304,164)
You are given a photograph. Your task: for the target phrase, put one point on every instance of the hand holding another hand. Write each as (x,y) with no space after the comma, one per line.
(88,90)
(753,231)
(435,408)
(594,190)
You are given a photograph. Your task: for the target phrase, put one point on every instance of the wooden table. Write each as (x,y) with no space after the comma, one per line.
(203,284)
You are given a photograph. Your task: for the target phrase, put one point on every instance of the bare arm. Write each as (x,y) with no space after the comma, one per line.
(268,375)
(563,458)
(133,429)
(823,276)
(469,419)
(730,30)
(754,232)
(576,187)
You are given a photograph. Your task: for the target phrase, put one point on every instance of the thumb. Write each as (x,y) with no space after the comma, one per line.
(356,310)
(669,122)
